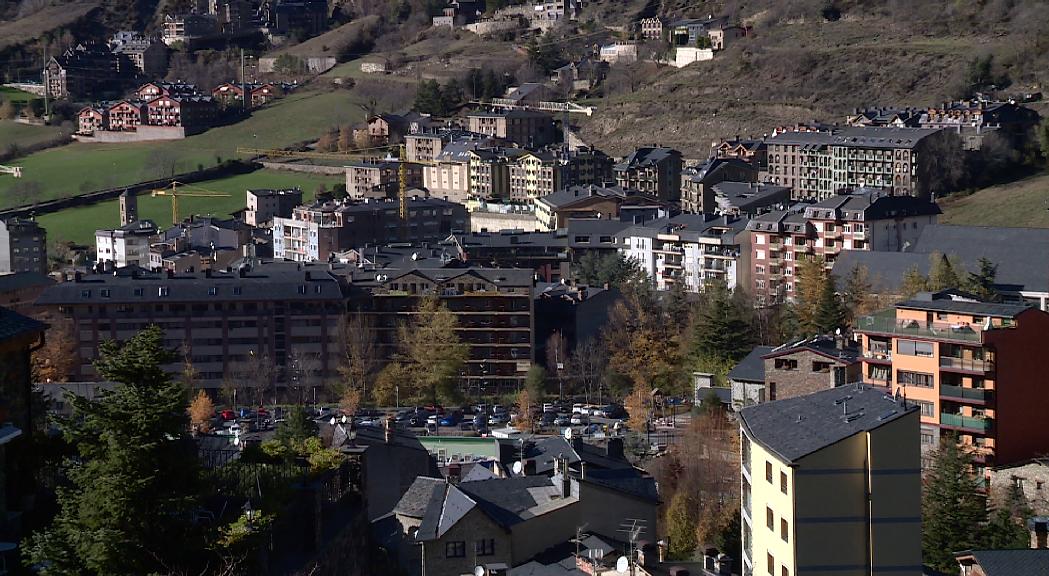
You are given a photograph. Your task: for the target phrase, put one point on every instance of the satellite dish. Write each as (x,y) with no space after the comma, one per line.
(343,418)
(415,256)
(518,467)
(623,565)
(479,571)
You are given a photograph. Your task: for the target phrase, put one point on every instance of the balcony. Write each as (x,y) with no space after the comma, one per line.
(885,322)
(959,393)
(966,364)
(967,423)
(879,356)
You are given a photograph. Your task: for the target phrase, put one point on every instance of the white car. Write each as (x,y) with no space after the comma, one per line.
(580,419)
(432,420)
(578,409)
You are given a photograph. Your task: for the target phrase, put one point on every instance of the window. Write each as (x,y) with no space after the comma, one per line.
(783,571)
(783,482)
(138,291)
(820,367)
(163,291)
(927,438)
(772,396)
(213,290)
(771,563)
(768,472)
(85,293)
(237,290)
(918,379)
(770,518)
(485,547)
(786,364)
(914,348)
(783,530)
(927,408)
(455,549)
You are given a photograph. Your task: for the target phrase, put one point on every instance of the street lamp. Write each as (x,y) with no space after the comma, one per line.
(250,513)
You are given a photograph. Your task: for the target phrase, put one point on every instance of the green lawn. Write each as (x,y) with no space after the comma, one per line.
(80,167)
(1024,203)
(12,132)
(16,95)
(79,224)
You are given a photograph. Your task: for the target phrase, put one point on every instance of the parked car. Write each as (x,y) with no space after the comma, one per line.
(431,420)
(580,419)
(452,419)
(228,415)
(498,419)
(418,419)
(578,408)
(548,418)
(324,412)
(434,409)
(562,421)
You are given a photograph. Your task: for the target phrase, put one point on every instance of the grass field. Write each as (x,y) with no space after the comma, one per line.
(79,224)
(25,135)
(16,95)
(79,167)
(1024,203)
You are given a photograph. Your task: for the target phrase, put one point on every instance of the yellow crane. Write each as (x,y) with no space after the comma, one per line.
(175,193)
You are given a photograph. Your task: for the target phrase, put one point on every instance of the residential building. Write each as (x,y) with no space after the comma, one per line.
(722,37)
(553,211)
(219,319)
(263,204)
(426,146)
(817,164)
(490,172)
(91,118)
(23,246)
(230,94)
(973,119)
(831,481)
(380,179)
(1021,562)
(128,205)
(652,28)
(283,17)
(152,90)
(753,151)
(697,194)
(147,55)
(810,365)
(747,378)
(494,308)
(880,116)
(972,367)
(546,254)
(617,52)
(492,216)
(535,174)
(126,115)
(18,290)
(193,113)
(527,128)
(576,314)
(689,249)
(446,175)
(19,336)
(528,94)
(582,75)
(1022,275)
(748,198)
(384,129)
(317,231)
(862,220)
(127,245)
(586,165)
(695,32)
(187,28)
(83,71)
(652,170)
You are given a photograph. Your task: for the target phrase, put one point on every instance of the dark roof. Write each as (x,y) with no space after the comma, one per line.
(796,427)
(512,500)
(419,496)
(885,270)
(1022,562)
(859,136)
(647,157)
(1022,254)
(13,324)
(748,196)
(20,280)
(824,345)
(545,451)
(752,367)
(942,303)
(871,204)
(626,481)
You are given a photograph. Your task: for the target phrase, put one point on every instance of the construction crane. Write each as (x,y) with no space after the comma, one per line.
(15,171)
(175,193)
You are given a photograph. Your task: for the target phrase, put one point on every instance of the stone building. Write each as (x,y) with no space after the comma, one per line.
(800,368)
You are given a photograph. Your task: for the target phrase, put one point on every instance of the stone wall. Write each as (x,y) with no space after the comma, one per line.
(1033,478)
(803,380)
(304,168)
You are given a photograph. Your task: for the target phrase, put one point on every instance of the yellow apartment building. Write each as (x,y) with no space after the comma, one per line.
(831,485)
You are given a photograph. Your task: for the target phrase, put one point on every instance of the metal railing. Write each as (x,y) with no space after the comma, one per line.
(966,364)
(966,422)
(948,391)
(885,322)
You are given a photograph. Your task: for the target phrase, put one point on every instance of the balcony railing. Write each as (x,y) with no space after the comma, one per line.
(982,425)
(948,391)
(885,322)
(883,355)
(966,364)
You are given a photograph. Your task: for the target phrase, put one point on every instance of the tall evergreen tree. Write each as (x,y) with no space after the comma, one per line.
(857,293)
(953,510)
(681,525)
(1007,528)
(133,481)
(981,282)
(722,330)
(943,273)
(913,282)
(830,314)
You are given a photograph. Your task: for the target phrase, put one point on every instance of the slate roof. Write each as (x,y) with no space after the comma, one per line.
(748,196)
(20,280)
(513,500)
(869,204)
(859,137)
(824,345)
(885,270)
(752,367)
(691,227)
(646,156)
(417,499)
(1023,562)
(626,481)
(934,303)
(13,324)
(712,166)
(796,427)
(1022,254)
(545,451)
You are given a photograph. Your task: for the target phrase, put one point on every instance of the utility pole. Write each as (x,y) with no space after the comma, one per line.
(243,85)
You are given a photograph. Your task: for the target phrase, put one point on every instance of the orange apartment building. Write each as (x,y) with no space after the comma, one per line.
(976,369)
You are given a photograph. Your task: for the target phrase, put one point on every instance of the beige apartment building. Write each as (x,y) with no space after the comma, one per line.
(831,484)
(522,127)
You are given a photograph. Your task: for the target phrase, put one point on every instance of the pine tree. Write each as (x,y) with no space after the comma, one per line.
(942,273)
(681,526)
(133,482)
(1007,528)
(830,314)
(857,293)
(722,330)
(981,282)
(913,282)
(953,510)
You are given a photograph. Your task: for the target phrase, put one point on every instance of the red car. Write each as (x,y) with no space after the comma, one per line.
(228,415)
(263,413)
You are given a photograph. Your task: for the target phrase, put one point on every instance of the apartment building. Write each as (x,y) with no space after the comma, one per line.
(82,71)
(817,164)
(380,179)
(127,245)
(219,319)
(535,174)
(494,307)
(689,249)
(490,172)
(263,204)
(974,368)
(864,219)
(146,55)
(697,194)
(652,170)
(186,28)
(23,246)
(192,112)
(526,128)
(831,483)
(427,146)
(747,198)
(317,231)
(554,211)
(447,175)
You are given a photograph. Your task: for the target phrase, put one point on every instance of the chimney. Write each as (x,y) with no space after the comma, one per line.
(1039,527)
(662,546)
(566,480)
(77,277)
(614,448)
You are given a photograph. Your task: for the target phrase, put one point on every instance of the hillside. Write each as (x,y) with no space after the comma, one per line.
(33,26)
(1021,203)
(798,66)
